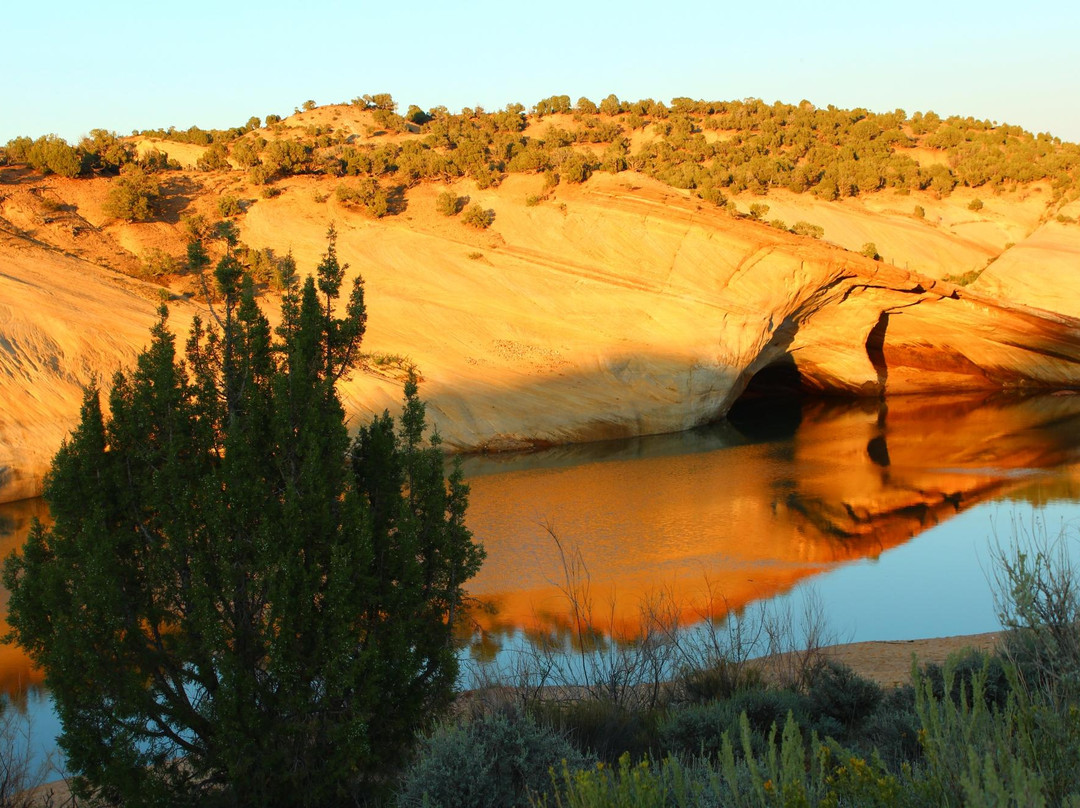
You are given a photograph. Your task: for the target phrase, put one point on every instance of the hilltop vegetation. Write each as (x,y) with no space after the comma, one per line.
(368,157)
(711,148)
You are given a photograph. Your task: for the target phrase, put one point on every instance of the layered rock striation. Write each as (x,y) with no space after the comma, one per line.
(616,308)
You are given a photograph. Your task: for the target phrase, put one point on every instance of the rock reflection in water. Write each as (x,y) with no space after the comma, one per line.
(715,520)
(718,518)
(17,675)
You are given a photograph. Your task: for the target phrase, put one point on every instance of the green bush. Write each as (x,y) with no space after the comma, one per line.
(17,149)
(158,263)
(790,771)
(496,761)
(610,105)
(796,773)
(1023,754)
(134,195)
(283,276)
(840,778)
(802,228)
(48,154)
(262,264)
(260,174)
(585,106)
(837,692)
(965,278)
(758,211)
(1039,595)
(920,212)
(383,101)
(348,195)
(602,728)
(230,205)
(447,203)
(575,168)
(367,194)
(156,160)
(869,249)
(975,204)
(721,680)
(476,216)
(699,729)
(105,152)
(215,158)
(552,105)
(711,193)
(246,152)
(991,670)
(766,707)
(775,146)
(892,730)
(417,115)
(285,157)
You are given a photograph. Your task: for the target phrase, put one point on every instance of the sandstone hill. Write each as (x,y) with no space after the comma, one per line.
(611,307)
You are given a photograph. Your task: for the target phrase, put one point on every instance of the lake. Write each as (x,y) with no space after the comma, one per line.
(887,511)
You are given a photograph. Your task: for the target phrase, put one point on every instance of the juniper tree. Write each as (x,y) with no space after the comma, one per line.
(134,195)
(235,605)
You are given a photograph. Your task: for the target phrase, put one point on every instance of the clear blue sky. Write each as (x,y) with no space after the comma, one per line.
(69,67)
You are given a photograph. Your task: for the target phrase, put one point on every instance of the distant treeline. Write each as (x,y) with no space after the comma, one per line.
(710,148)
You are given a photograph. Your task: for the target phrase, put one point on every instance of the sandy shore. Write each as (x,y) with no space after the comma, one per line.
(889,662)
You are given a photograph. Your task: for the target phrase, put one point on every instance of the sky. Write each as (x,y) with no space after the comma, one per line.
(120,65)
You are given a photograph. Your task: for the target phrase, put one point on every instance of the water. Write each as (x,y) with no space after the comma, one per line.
(888,511)
(28,711)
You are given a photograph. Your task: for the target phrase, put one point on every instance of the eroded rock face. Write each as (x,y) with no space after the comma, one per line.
(896,333)
(627,310)
(63,324)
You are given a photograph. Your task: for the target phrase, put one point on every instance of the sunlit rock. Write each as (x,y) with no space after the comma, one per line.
(620,307)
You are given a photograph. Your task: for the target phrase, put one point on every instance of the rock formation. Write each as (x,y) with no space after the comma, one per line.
(620,307)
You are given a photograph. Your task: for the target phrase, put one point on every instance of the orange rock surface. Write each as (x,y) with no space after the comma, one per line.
(619,307)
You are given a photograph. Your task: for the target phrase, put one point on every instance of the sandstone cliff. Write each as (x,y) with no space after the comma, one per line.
(619,307)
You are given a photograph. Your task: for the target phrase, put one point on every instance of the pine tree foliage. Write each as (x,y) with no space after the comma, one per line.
(235,604)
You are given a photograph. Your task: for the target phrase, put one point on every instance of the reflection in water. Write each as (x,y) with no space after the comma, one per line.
(721,517)
(716,520)
(22,685)
(17,676)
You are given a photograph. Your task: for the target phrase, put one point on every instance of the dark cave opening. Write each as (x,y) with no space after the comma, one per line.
(770,408)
